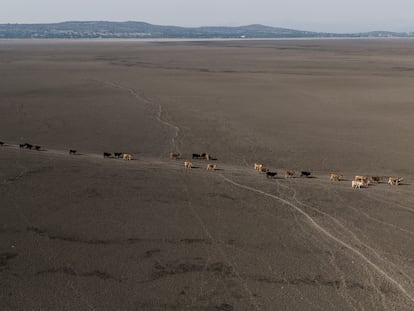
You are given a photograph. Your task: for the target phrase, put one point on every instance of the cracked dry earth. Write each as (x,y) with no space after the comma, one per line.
(83,232)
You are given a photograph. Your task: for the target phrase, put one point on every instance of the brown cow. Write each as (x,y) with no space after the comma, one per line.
(211,167)
(263,169)
(375,179)
(188,164)
(289,174)
(174,155)
(336,176)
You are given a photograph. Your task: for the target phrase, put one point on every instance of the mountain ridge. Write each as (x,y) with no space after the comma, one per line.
(139,29)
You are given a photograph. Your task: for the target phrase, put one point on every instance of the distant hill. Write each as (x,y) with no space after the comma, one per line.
(103,29)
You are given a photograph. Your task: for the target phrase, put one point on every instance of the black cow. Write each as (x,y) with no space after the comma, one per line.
(107,154)
(196,156)
(118,154)
(29,146)
(72,151)
(271,174)
(304,173)
(1,143)
(37,147)
(22,145)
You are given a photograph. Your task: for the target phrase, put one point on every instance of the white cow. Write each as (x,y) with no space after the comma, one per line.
(357,184)
(258,166)
(127,156)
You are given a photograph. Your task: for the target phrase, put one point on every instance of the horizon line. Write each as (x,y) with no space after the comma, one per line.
(224,26)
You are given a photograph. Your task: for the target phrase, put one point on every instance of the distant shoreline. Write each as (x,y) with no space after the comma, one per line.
(136,30)
(200,39)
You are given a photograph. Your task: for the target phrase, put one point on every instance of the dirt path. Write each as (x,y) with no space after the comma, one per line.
(158,111)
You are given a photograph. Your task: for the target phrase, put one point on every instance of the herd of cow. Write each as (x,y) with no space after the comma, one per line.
(261,169)
(202,156)
(363,181)
(28,146)
(357,182)
(125,156)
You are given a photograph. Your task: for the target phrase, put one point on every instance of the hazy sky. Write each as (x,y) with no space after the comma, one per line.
(316,15)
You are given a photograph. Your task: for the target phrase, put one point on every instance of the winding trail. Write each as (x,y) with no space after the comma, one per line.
(319,228)
(140,96)
(353,237)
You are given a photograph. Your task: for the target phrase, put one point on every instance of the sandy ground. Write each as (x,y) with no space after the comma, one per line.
(83,232)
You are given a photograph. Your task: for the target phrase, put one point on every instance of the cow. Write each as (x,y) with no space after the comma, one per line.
(22,146)
(196,156)
(211,167)
(28,146)
(375,179)
(359,178)
(174,155)
(37,148)
(271,174)
(363,179)
(127,156)
(258,166)
(1,143)
(107,154)
(336,176)
(305,174)
(188,164)
(357,184)
(263,170)
(118,154)
(395,180)
(289,174)
(72,151)
(207,156)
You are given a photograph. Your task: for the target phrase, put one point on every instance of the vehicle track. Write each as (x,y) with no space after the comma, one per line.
(324,231)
